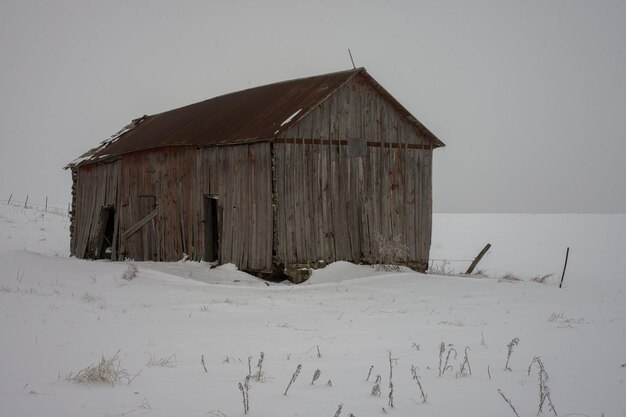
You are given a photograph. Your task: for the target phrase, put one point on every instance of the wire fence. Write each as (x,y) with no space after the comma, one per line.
(451,260)
(38,205)
(448,266)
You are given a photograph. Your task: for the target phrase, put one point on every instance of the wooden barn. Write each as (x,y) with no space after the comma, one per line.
(281,177)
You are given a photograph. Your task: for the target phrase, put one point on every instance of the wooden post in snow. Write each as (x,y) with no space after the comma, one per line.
(564,266)
(10,197)
(478,258)
(46,209)
(26,202)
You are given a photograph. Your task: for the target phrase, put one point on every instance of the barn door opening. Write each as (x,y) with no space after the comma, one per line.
(107,229)
(211,232)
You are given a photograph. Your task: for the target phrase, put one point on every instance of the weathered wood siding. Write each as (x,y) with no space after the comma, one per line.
(175,181)
(352,168)
(96,187)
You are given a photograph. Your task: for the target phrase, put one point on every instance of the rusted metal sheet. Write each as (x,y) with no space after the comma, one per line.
(251,115)
(246,116)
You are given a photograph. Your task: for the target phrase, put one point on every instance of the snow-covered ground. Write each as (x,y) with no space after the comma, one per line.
(59,315)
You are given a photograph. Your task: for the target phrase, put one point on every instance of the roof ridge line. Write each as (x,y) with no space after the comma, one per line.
(355,70)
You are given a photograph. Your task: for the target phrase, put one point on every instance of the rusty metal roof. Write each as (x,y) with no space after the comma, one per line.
(255,114)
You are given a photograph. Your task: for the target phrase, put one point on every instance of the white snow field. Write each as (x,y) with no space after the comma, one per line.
(59,315)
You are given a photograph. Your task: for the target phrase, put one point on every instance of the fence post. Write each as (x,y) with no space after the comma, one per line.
(564,266)
(26,202)
(46,209)
(477,259)
(10,197)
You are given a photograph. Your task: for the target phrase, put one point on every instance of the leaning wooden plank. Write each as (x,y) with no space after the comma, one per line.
(133,229)
(480,256)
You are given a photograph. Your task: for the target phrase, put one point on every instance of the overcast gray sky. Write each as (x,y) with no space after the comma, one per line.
(529,96)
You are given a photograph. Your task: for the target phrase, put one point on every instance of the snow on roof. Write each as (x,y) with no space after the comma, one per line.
(288,119)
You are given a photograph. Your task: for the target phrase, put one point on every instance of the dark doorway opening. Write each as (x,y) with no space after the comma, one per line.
(107,231)
(211,232)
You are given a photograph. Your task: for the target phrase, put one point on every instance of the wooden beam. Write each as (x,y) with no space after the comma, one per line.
(478,258)
(141,223)
(370,144)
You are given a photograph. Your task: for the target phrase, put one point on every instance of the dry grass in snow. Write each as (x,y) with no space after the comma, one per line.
(340,327)
(107,371)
